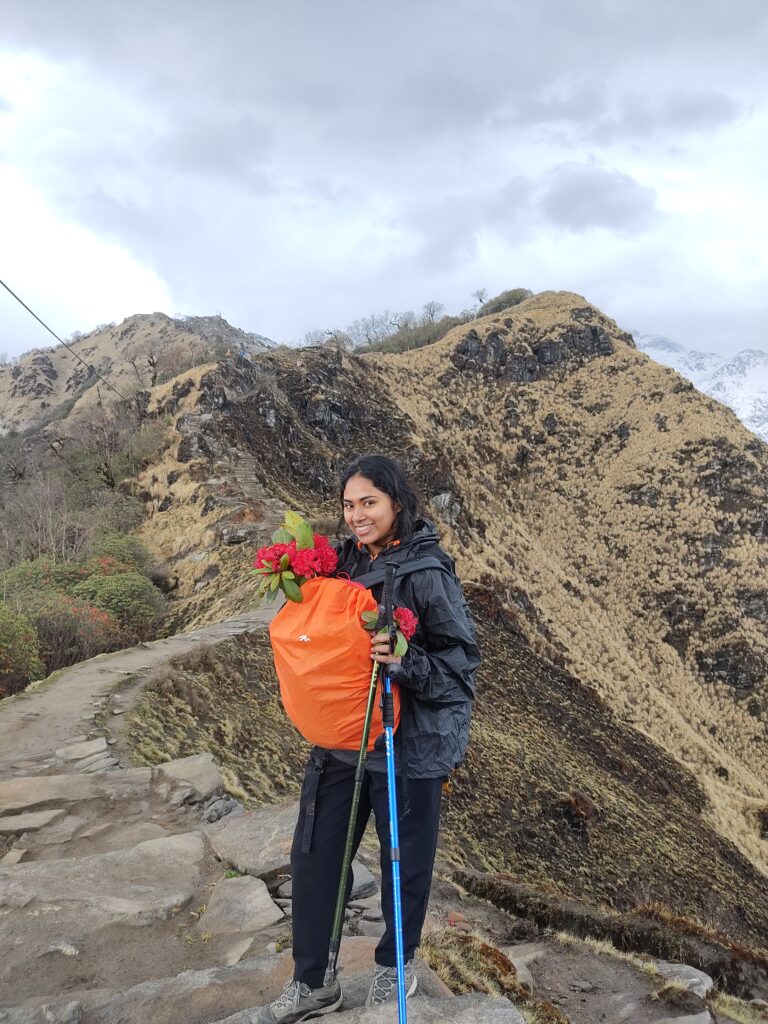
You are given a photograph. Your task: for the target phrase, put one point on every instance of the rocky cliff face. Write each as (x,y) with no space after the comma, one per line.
(132,355)
(615,516)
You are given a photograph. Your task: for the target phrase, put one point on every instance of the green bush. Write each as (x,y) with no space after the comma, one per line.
(122,548)
(20,662)
(43,575)
(132,600)
(69,631)
(504,300)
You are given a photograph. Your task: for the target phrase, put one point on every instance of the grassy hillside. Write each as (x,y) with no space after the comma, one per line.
(617,514)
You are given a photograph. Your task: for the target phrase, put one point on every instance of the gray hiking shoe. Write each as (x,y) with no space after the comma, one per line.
(384,987)
(299,1002)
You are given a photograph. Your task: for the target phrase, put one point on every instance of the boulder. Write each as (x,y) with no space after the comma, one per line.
(363,882)
(239,905)
(692,979)
(257,843)
(198,772)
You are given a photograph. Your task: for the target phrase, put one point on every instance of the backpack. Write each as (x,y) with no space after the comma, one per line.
(322,656)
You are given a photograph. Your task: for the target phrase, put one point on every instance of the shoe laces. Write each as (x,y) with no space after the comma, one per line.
(384,984)
(290,996)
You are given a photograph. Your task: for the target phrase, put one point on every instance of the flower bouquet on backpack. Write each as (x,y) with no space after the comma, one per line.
(295,555)
(320,643)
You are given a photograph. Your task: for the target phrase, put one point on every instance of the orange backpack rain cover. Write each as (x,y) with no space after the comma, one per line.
(322,655)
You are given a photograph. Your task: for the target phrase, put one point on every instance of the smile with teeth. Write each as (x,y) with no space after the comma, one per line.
(363,529)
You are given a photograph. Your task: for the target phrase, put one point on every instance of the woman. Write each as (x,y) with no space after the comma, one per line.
(437,690)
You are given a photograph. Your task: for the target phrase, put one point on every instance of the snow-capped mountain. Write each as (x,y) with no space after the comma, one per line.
(740,382)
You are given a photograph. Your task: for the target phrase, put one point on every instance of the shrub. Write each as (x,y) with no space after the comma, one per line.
(20,662)
(416,335)
(43,575)
(504,300)
(69,631)
(132,600)
(122,548)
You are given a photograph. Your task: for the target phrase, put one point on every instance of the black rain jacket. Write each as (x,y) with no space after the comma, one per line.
(442,656)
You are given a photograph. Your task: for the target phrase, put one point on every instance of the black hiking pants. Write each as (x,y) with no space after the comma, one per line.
(318,850)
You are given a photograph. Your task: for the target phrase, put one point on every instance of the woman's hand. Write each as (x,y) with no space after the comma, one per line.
(380,650)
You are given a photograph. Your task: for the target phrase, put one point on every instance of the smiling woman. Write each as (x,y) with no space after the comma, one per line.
(436,690)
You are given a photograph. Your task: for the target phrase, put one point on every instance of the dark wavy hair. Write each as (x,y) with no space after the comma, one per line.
(387,475)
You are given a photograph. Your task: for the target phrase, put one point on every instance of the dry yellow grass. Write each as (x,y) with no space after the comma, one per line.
(602,533)
(590,559)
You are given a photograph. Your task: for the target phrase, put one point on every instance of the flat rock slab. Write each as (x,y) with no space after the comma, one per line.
(697,1018)
(48,1013)
(45,902)
(257,843)
(50,791)
(239,905)
(78,751)
(198,771)
(31,821)
(471,1009)
(198,997)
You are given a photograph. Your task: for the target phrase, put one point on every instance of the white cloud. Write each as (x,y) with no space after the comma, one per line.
(295,166)
(72,279)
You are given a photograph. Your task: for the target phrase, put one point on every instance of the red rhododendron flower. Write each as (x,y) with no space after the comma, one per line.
(406,622)
(326,554)
(270,556)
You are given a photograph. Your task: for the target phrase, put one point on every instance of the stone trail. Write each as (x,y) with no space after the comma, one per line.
(130,895)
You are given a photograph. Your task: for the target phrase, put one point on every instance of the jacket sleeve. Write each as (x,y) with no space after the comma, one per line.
(443,656)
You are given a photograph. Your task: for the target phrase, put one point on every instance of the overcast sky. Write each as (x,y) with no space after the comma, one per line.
(296,165)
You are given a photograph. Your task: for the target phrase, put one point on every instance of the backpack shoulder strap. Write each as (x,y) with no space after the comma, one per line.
(375,576)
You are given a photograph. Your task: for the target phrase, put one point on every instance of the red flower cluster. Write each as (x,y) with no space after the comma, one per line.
(321,560)
(406,622)
(269,557)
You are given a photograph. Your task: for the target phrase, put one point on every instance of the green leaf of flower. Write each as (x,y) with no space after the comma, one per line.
(291,590)
(281,536)
(275,582)
(401,645)
(300,529)
(370,616)
(284,562)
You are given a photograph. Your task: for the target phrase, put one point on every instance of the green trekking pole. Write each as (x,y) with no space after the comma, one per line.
(338,917)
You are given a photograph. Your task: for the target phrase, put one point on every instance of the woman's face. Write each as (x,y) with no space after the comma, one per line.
(369,513)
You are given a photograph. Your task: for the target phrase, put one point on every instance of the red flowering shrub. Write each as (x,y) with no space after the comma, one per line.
(70,631)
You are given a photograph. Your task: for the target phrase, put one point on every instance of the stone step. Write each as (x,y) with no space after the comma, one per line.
(202,996)
(469,1009)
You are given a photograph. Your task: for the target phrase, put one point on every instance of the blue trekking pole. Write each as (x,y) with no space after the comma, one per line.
(388,716)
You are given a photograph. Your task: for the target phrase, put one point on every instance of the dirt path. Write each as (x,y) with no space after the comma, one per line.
(34,723)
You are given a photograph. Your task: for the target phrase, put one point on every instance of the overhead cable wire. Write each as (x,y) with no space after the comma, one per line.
(89,366)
